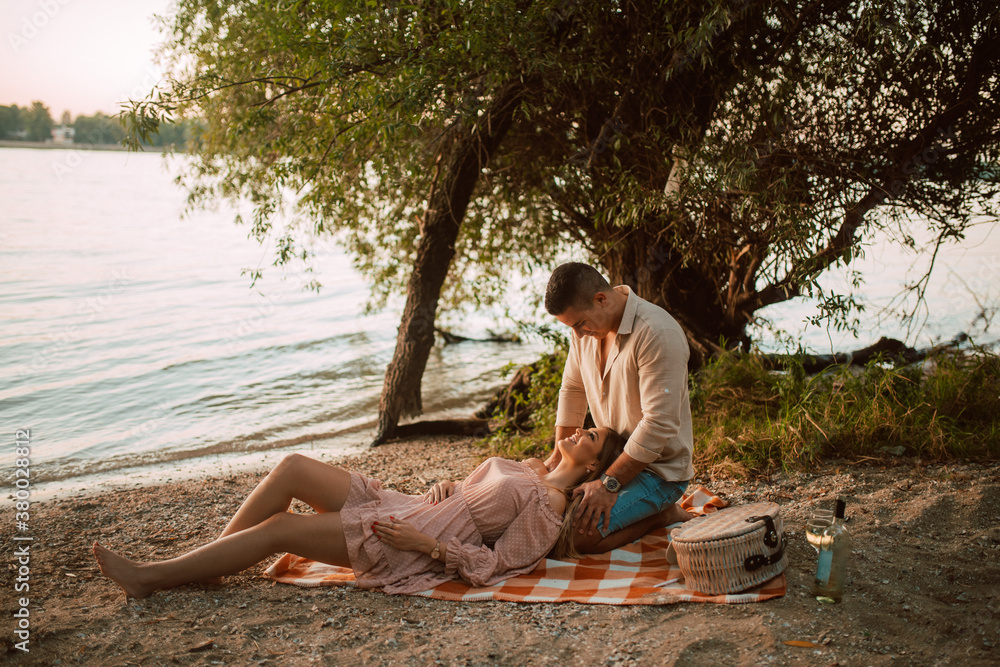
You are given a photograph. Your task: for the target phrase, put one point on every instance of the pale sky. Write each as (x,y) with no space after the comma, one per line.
(82,56)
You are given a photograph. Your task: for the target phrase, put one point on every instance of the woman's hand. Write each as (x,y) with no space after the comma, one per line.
(403,536)
(439,492)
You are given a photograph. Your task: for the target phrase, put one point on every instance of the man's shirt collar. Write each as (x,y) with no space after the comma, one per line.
(631,306)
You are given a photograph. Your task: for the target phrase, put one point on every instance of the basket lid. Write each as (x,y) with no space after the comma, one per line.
(726,523)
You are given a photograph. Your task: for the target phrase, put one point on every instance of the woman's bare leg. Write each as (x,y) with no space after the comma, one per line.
(319,537)
(320,485)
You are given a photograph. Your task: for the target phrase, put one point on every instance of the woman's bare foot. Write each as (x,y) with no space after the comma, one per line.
(122,571)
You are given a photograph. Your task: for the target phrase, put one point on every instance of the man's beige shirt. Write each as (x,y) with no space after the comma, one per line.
(643,393)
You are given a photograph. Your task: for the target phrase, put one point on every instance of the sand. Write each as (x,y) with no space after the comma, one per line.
(924,584)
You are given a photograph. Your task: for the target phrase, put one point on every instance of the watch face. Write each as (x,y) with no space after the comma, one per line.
(612,484)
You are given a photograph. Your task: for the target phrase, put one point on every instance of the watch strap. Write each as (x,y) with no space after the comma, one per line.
(611,484)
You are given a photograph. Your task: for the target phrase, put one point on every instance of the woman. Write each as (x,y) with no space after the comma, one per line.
(498,523)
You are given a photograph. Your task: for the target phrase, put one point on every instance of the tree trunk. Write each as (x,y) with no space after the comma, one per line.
(469,152)
(653,268)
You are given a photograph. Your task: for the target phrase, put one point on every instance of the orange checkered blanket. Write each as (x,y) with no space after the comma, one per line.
(636,574)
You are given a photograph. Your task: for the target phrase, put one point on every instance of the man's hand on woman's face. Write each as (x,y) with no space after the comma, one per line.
(595,508)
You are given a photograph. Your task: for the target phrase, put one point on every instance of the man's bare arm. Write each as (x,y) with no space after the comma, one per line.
(562,432)
(595,508)
(625,468)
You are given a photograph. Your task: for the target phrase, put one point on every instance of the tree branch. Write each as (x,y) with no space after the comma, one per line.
(899,174)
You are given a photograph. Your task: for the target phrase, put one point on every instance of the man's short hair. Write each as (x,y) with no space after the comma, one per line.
(573,285)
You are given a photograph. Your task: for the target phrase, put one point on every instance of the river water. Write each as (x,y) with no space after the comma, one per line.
(131,339)
(132,346)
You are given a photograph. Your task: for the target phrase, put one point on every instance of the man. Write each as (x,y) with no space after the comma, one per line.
(627,361)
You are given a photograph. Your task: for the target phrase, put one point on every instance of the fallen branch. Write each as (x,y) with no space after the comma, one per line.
(473,427)
(450,338)
(889,349)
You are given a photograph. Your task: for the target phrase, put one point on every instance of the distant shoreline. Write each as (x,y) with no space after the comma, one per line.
(5,143)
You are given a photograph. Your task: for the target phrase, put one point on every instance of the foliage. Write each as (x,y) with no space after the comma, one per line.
(514,438)
(334,109)
(32,123)
(717,156)
(38,122)
(107,130)
(10,121)
(97,129)
(747,418)
(35,124)
(759,144)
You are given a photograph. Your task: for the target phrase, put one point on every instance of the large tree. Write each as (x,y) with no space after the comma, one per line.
(717,156)
(378,120)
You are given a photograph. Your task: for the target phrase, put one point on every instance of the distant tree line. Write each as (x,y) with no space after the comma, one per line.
(35,123)
(32,123)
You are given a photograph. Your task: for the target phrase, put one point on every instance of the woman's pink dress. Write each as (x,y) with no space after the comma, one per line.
(497,524)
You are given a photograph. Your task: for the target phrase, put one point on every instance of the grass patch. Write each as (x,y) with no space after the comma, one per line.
(525,427)
(748,419)
(943,409)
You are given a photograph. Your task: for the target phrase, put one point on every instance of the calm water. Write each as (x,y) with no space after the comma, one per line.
(130,339)
(965,282)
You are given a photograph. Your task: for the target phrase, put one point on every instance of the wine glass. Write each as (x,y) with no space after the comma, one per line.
(818,522)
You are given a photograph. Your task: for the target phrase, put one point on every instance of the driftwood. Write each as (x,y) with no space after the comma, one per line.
(474,427)
(450,338)
(505,400)
(890,350)
(479,425)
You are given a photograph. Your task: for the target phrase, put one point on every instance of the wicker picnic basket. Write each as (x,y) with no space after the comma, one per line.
(731,550)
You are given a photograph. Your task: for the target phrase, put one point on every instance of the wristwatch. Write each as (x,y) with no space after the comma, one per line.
(611,484)
(437,551)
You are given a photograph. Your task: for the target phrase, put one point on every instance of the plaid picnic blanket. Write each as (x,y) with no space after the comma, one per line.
(636,574)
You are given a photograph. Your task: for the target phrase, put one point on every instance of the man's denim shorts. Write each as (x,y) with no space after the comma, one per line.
(644,496)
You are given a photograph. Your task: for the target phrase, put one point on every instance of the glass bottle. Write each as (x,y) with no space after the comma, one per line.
(834,552)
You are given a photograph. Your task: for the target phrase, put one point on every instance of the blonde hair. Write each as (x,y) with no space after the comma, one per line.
(614,445)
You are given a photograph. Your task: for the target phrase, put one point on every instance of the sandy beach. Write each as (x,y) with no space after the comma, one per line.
(925,584)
